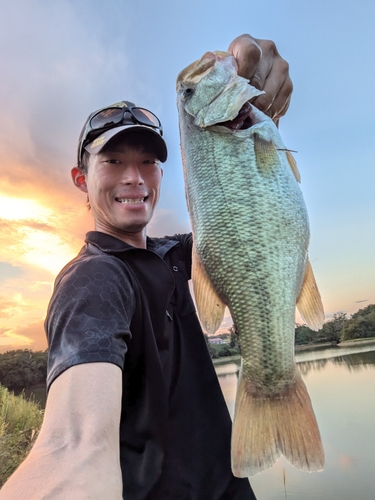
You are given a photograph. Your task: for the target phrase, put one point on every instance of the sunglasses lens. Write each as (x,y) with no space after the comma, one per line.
(107,117)
(145,117)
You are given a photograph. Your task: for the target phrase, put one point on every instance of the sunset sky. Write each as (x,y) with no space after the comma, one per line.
(61,60)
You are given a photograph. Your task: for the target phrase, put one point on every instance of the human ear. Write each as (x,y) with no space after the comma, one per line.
(79,179)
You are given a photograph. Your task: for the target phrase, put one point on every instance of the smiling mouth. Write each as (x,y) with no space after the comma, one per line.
(131,201)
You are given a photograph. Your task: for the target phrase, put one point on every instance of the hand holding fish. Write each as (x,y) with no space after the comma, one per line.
(260,62)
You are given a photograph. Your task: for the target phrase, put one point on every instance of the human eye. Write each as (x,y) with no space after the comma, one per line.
(112,161)
(151,162)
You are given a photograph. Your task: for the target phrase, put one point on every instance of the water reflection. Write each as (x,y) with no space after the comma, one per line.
(354,359)
(353,362)
(341,385)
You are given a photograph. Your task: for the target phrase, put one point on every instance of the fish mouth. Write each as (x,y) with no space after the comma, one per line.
(242,121)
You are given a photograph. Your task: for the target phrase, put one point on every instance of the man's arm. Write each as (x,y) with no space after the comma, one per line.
(76,455)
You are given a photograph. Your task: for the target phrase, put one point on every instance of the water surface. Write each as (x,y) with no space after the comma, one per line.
(341,384)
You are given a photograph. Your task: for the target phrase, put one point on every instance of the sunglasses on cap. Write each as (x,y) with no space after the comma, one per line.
(122,113)
(112,117)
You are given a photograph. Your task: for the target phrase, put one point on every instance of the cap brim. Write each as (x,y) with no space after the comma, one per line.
(98,144)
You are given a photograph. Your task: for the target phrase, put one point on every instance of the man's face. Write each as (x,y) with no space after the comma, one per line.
(123,186)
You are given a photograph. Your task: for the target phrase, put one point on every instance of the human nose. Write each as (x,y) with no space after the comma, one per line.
(132,175)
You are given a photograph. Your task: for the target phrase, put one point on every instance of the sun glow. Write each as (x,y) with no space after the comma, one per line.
(42,247)
(12,208)
(46,250)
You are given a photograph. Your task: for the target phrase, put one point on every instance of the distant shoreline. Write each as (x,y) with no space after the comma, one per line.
(304,347)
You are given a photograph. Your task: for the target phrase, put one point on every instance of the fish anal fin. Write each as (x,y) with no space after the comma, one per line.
(210,307)
(309,302)
(293,165)
(266,427)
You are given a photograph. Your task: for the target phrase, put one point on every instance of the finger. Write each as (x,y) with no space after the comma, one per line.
(275,100)
(247,53)
(265,64)
(282,101)
(273,77)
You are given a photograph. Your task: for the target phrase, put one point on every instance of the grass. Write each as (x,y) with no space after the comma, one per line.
(20,421)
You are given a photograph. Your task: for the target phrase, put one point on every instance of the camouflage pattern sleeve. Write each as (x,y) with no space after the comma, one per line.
(89,315)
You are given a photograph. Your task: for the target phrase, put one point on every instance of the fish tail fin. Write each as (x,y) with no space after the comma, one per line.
(264,428)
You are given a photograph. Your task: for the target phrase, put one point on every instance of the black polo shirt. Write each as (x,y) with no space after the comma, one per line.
(132,307)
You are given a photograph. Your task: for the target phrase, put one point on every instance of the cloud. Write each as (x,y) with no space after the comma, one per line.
(34,333)
(8,307)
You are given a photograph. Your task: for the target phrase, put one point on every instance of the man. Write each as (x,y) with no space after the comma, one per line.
(128,362)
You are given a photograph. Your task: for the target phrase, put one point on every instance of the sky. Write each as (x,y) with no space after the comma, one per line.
(61,60)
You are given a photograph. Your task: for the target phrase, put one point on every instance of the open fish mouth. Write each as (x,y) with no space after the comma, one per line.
(242,121)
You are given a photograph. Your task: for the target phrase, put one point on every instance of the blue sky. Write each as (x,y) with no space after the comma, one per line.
(61,60)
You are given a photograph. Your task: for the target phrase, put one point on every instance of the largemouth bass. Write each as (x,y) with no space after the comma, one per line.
(251,237)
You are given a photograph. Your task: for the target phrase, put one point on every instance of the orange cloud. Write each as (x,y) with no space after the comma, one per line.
(31,336)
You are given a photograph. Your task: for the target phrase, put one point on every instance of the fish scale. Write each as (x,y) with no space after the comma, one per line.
(233,190)
(251,237)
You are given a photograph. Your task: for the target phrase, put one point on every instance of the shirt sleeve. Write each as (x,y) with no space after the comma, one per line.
(89,315)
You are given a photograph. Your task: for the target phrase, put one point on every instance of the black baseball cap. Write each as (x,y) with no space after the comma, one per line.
(102,125)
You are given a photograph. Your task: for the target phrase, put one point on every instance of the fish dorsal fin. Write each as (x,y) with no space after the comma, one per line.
(210,307)
(293,165)
(309,302)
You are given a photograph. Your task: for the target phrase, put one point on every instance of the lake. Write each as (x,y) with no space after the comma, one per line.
(341,385)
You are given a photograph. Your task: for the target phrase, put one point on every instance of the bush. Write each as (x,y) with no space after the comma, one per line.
(20,422)
(22,368)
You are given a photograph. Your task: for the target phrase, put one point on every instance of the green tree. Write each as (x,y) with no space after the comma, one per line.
(224,351)
(366,311)
(22,368)
(233,339)
(304,335)
(332,329)
(358,328)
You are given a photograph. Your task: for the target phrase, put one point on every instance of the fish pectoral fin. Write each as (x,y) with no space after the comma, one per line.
(309,302)
(210,307)
(293,165)
(265,152)
(268,426)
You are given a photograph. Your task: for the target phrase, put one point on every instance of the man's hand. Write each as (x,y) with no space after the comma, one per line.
(260,62)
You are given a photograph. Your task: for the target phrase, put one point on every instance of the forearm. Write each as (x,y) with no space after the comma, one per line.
(75,471)
(76,455)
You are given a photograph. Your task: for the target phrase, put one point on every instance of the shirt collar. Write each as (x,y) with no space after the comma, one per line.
(109,244)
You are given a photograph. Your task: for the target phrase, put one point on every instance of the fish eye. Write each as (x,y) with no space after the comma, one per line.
(187,92)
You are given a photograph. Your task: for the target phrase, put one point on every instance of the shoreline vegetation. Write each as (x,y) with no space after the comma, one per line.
(20,421)
(21,417)
(305,347)
(340,330)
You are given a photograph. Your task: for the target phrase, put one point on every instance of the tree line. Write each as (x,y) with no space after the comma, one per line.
(23,368)
(360,325)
